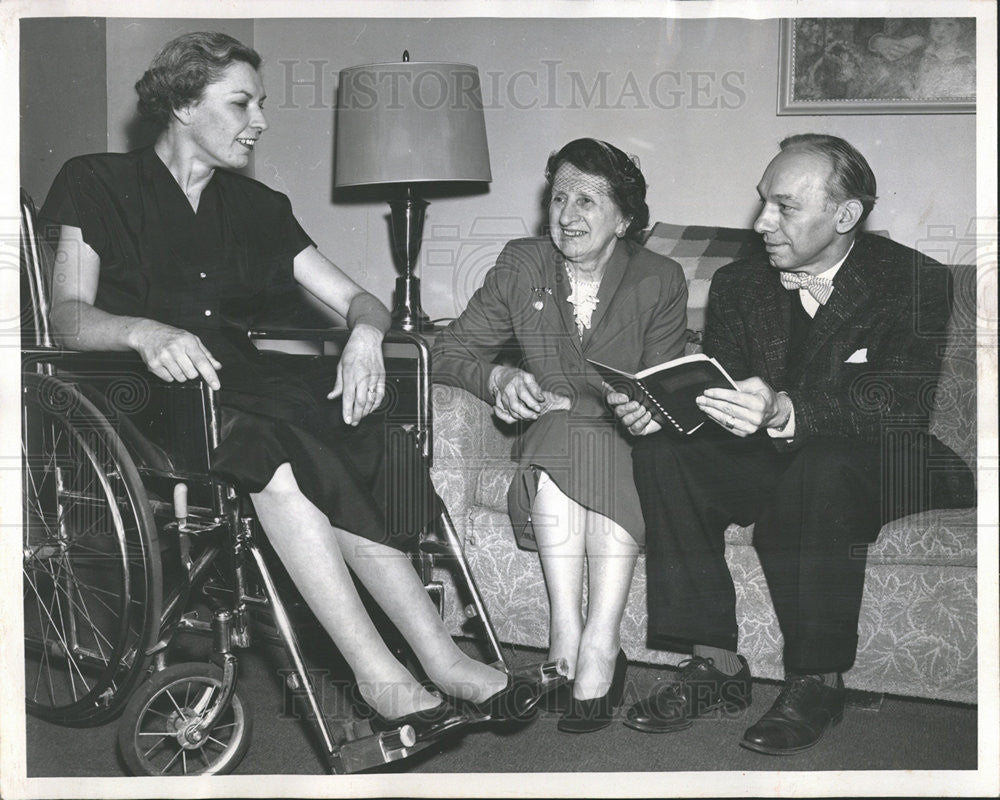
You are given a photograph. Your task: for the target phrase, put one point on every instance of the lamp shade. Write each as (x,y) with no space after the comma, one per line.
(410,122)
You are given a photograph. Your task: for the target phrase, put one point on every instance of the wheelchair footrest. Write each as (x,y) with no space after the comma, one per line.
(362,748)
(374,750)
(365,749)
(548,674)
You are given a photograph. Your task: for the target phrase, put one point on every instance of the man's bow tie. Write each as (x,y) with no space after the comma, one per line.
(819,288)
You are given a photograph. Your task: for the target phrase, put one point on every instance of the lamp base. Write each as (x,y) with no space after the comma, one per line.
(407,315)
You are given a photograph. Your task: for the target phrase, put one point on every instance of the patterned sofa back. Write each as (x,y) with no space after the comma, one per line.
(701,250)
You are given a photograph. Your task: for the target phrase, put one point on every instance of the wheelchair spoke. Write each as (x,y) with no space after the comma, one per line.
(91,576)
(80,606)
(179,710)
(163,739)
(44,665)
(176,698)
(170,763)
(56,629)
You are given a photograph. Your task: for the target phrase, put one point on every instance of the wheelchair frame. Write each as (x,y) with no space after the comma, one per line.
(53,392)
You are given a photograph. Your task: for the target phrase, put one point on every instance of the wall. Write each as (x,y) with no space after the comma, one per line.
(63,100)
(694,99)
(131,45)
(77,78)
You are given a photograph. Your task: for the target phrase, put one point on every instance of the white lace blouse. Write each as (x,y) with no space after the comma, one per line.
(583,296)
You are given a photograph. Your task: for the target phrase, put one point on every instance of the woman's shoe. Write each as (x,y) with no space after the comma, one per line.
(587,716)
(558,700)
(420,721)
(517,701)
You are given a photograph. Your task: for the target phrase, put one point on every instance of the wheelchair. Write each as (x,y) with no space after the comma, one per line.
(126,537)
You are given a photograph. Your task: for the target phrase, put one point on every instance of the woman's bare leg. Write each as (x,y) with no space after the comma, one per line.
(611,557)
(558,524)
(392,581)
(316,556)
(304,541)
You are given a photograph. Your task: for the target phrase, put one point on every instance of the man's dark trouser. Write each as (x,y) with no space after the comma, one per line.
(814,511)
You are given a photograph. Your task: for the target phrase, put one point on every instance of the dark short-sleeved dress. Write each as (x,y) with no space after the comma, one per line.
(214,272)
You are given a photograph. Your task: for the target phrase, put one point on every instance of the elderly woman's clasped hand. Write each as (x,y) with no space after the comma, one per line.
(517,396)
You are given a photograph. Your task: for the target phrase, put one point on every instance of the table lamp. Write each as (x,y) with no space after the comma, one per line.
(404,124)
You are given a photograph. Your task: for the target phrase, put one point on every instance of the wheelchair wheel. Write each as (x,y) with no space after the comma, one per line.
(151,734)
(92,590)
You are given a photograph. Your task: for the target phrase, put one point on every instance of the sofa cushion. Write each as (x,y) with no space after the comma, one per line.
(701,250)
(942,537)
(492,486)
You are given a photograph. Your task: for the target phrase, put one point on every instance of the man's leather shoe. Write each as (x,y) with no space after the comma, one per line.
(699,689)
(799,717)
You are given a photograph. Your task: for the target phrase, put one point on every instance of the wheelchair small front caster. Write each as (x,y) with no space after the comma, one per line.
(159,734)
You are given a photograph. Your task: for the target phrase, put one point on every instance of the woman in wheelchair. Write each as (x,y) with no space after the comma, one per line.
(166,252)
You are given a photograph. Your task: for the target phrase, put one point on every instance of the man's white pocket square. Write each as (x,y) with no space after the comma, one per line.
(858,357)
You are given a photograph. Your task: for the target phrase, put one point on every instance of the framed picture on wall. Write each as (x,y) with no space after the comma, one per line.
(877,65)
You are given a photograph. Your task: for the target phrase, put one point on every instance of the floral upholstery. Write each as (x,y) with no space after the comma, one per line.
(917,632)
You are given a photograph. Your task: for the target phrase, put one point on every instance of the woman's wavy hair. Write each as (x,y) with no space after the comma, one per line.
(184,67)
(621,171)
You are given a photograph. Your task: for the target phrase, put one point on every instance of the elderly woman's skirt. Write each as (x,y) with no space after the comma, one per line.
(589,459)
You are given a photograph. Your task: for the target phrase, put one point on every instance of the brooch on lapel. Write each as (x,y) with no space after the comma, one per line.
(540,292)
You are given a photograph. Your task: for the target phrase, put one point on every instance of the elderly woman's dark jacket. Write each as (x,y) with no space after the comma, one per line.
(639,322)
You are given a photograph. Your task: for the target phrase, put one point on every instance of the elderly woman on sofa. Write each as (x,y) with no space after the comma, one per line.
(588,290)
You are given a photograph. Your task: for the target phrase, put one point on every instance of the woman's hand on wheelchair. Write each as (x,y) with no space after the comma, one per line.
(360,374)
(173,354)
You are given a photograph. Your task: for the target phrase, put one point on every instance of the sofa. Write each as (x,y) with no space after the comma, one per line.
(918,618)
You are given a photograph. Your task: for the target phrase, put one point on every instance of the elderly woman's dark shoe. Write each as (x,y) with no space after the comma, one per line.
(593,714)
(558,700)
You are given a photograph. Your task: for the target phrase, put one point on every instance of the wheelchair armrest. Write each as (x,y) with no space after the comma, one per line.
(320,335)
(42,354)
(156,419)
(424,406)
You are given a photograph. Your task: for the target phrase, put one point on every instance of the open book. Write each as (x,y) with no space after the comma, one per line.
(669,389)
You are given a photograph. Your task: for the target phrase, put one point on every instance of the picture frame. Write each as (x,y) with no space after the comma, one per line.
(877,65)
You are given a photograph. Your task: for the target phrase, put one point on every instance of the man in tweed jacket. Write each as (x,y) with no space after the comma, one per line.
(835,380)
